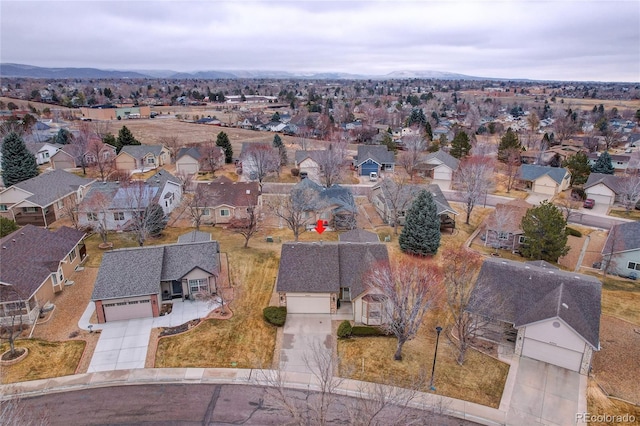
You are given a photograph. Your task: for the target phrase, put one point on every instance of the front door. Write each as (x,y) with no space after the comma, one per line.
(345,294)
(177,288)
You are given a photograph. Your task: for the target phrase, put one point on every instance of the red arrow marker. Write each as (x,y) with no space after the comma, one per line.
(320,227)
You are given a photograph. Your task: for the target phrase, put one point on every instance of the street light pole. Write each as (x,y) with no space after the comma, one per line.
(433,369)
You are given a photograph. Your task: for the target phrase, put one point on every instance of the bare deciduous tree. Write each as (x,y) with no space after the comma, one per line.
(399,195)
(247,226)
(101,156)
(173,144)
(512,163)
(263,159)
(211,160)
(293,209)
(15,309)
(414,147)
(410,287)
(146,219)
(330,162)
(629,190)
(79,145)
(197,203)
(70,209)
(473,180)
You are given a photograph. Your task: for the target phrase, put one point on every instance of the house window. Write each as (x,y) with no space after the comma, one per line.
(54,278)
(60,204)
(503,235)
(225,212)
(3,208)
(72,255)
(199,285)
(634,265)
(151,160)
(30,209)
(46,155)
(522,239)
(118,216)
(92,217)
(205,212)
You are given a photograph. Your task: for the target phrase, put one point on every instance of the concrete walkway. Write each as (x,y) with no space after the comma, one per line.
(303,335)
(123,344)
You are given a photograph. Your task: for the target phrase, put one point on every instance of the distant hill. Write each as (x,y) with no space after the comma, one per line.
(30,71)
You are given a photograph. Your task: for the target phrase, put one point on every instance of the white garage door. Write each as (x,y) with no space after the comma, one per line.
(543,189)
(555,355)
(117,310)
(308,304)
(604,200)
(187,168)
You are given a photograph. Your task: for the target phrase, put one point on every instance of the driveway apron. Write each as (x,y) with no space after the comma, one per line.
(303,336)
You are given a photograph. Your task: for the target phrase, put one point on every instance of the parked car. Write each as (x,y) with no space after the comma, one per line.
(589,203)
(373,176)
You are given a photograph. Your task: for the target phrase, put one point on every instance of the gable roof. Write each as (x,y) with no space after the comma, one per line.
(378,153)
(194,237)
(150,266)
(507,217)
(444,158)
(31,254)
(161,177)
(359,236)
(51,186)
(531,172)
(610,181)
(192,151)
(409,192)
(139,151)
(623,237)
(325,267)
(301,155)
(527,294)
(224,191)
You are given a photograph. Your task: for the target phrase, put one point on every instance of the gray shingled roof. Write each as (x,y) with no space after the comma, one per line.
(139,151)
(359,236)
(610,181)
(194,237)
(447,159)
(314,155)
(161,177)
(325,267)
(139,271)
(410,191)
(378,153)
(34,255)
(191,151)
(531,172)
(623,237)
(51,186)
(224,191)
(527,294)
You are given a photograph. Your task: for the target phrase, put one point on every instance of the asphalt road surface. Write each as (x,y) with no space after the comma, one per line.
(180,404)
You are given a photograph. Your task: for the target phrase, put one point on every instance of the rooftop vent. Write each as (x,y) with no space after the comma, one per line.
(564,305)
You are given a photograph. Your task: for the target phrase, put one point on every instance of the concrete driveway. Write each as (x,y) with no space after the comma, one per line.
(536,198)
(123,344)
(303,334)
(544,394)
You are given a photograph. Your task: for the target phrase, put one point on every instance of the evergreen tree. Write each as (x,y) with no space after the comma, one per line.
(428,131)
(460,145)
(125,137)
(421,232)
(63,137)
(277,141)
(155,219)
(275,117)
(545,235)
(18,164)
(579,167)
(222,140)
(387,141)
(109,139)
(603,164)
(507,142)
(7,226)
(417,117)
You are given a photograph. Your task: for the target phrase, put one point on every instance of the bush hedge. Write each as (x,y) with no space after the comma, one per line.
(363,331)
(574,232)
(275,315)
(344,329)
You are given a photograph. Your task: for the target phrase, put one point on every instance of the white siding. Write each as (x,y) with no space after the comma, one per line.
(554,342)
(545,185)
(601,194)
(124,309)
(308,303)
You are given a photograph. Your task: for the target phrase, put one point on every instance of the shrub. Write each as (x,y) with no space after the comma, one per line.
(275,315)
(364,331)
(574,232)
(295,172)
(344,330)
(579,194)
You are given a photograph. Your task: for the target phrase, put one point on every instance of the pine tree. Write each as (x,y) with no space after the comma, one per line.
(545,235)
(125,137)
(155,219)
(277,141)
(429,131)
(18,164)
(603,164)
(507,142)
(460,145)
(578,165)
(222,140)
(63,137)
(421,232)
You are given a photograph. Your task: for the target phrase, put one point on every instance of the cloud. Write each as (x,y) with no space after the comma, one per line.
(575,40)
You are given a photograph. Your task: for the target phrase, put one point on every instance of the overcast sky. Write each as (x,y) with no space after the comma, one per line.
(552,40)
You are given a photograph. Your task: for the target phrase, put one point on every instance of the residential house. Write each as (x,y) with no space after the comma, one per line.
(329,278)
(544,179)
(358,236)
(67,158)
(603,189)
(387,197)
(620,162)
(193,160)
(43,151)
(114,204)
(41,200)
(335,206)
(249,166)
(554,315)
(161,273)
(227,200)
(141,157)
(308,162)
(374,158)
(439,165)
(36,264)
(503,229)
(621,252)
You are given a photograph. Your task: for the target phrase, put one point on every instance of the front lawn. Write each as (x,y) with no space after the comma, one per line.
(45,360)
(633,214)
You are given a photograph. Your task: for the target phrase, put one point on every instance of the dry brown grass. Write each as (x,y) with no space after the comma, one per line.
(480,380)
(45,360)
(599,404)
(633,214)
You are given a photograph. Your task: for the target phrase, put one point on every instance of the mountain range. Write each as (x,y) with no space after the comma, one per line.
(30,71)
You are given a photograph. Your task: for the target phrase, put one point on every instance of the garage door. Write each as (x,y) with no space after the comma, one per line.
(367,167)
(543,189)
(604,200)
(308,304)
(555,355)
(127,309)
